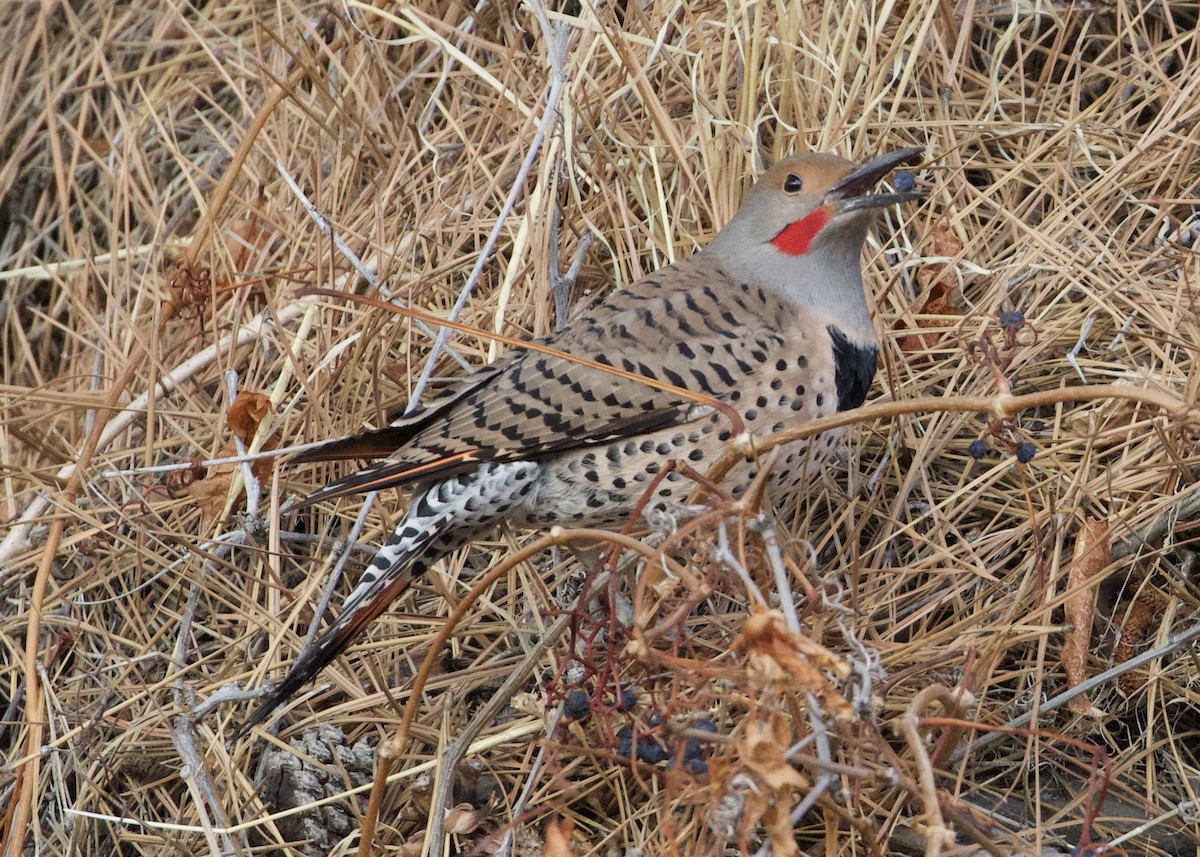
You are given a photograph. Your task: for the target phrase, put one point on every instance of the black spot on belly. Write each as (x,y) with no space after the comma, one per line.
(854,367)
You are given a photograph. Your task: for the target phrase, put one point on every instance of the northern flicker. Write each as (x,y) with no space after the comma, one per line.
(769,318)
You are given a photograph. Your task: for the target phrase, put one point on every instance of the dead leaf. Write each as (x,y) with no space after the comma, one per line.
(1119,421)
(247,236)
(763,747)
(413,846)
(778,655)
(99,145)
(558,837)
(1146,611)
(209,495)
(766,632)
(938,278)
(943,242)
(1093,548)
(777,821)
(244,417)
(762,750)
(463,819)
(246,413)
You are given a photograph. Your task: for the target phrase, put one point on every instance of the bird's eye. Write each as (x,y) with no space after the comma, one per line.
(793,184)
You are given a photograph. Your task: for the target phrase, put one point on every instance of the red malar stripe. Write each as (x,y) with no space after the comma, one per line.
(795,238)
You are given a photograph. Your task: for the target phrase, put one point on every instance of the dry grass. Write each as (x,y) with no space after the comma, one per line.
(146,218)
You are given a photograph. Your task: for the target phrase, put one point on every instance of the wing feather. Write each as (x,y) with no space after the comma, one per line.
(531,405)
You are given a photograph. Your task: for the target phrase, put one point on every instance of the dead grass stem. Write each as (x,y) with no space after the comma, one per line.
(178,182)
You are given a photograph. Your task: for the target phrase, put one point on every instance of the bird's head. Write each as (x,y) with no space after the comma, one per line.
(801,227)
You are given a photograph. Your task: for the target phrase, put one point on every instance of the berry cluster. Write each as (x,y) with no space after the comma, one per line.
(1024,451)
(691,754)
(680,745)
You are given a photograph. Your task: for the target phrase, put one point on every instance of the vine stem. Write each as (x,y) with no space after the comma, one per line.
(1000,406)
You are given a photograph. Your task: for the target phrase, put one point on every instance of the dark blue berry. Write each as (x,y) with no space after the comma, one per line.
(1012,318)
(904,181)
(626,699)
(1026,452)
(978,449)
(577,705)
(688,761)
(624,741)
(693,748)
(650,751)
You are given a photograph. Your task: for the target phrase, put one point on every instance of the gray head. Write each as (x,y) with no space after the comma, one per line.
(800,230)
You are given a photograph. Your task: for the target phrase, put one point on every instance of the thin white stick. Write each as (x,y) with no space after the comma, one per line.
(249,480)
(249,457)
(1073,355)
(54,270)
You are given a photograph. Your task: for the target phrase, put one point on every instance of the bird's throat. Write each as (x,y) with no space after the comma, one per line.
(796,238)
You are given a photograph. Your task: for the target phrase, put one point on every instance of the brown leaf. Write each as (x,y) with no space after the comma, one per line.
(762,749)
(766,632)
(463,819)
(1117,423)
(209,495)
(247,236)
(244,417)
(246,413)
(777,821)
(763,746)
(558,838)
(413,846)
(262,467)
(778,655)
(1145,613)
(943,243)
(939,280)
(1093,547)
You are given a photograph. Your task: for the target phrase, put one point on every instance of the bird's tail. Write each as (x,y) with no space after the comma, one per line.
(446,516)
(407,554)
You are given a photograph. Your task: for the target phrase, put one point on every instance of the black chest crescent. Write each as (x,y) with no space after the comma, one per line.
(854,368)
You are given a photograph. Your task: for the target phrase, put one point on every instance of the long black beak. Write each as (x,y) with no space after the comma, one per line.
(853,192)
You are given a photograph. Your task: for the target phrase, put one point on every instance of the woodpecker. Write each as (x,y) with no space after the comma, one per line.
(770,319)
